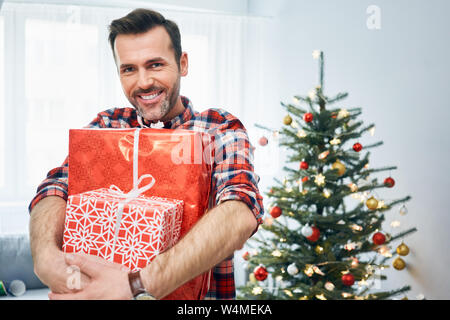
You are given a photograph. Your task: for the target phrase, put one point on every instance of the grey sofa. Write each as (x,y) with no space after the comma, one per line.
(16,264)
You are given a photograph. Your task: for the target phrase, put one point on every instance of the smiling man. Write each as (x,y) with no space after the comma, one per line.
(147,51)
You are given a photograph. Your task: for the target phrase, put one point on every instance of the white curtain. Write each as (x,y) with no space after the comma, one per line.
(57,72)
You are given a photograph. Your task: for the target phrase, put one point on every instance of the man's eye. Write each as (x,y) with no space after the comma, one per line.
(156,65)
(126,70)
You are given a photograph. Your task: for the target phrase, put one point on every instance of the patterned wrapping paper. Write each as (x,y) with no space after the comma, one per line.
(147,227)
(99,158)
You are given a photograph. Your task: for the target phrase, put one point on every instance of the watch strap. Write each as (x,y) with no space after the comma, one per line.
(136,285)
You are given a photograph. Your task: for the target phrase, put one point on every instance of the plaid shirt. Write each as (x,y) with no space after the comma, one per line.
(231,179)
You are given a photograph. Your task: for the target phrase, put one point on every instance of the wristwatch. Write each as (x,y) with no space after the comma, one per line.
(137,287)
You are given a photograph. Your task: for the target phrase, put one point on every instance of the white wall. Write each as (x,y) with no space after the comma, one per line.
(399,75)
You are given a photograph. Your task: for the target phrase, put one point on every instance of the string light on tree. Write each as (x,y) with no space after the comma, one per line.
(335,141)
(319,180)
(353,187)
(316,54)
(276,253)
(329,286)
(323,155)
(301,134)
(257,290)
(268,221)
(343,113)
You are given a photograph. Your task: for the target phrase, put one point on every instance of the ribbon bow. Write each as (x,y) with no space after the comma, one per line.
(133,194)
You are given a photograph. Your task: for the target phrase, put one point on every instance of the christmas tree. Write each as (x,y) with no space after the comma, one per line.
(324,238)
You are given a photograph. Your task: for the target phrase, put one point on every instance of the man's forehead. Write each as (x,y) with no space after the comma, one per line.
(135,46)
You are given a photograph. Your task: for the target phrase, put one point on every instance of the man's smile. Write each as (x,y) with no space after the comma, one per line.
(151,97)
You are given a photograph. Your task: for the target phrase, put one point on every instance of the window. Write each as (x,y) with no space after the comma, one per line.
(61,90)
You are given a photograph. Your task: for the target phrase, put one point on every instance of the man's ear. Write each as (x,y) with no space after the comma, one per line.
(184,64)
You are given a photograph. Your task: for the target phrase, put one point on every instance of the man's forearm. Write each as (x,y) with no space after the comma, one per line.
(215,237)
(46,226)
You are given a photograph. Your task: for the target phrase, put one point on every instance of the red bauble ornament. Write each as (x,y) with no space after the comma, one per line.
(304,165)
(263,141)
(357,147)
(379,238)
(348,279)
(276,212)
(389,182)
(315,235)
(308,117)
(260,273)
(305,179)
(246,255)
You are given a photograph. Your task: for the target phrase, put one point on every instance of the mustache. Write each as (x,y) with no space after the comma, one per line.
(144,91)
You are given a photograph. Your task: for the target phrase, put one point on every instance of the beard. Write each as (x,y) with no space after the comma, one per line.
(161,109)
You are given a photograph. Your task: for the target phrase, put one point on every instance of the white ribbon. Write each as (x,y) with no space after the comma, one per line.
(133,194)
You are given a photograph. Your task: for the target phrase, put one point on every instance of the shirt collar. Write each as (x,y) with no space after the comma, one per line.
(183,117)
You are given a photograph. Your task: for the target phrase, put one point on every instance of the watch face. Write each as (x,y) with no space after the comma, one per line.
(145,296)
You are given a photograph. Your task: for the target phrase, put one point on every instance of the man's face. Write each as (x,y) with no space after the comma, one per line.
(149,73)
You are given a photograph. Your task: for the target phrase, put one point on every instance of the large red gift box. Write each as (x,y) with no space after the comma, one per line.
(129,231)
(179,160)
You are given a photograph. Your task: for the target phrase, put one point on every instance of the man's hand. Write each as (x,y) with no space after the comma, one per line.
(46,234)
(53,271)
(108,281)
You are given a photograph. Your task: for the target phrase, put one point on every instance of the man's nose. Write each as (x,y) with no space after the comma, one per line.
(145,80)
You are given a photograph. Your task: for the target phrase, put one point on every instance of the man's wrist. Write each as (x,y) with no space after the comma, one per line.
(137,287)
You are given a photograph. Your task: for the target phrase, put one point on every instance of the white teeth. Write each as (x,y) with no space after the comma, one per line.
(153,96)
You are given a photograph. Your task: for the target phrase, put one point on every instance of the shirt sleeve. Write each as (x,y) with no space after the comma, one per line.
(56,182)
(233,175)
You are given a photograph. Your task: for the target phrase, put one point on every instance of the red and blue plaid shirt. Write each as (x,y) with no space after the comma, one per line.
(233,177)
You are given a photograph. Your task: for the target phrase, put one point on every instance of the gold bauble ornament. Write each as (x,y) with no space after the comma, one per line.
(399,264)
(372,203)
(252,278)
(403,249)
(287,120)
(340,167)
(318,249)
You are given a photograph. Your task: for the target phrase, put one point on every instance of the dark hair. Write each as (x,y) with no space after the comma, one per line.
(141,21)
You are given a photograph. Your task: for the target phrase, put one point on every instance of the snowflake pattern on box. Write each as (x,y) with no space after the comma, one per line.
(149,226)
